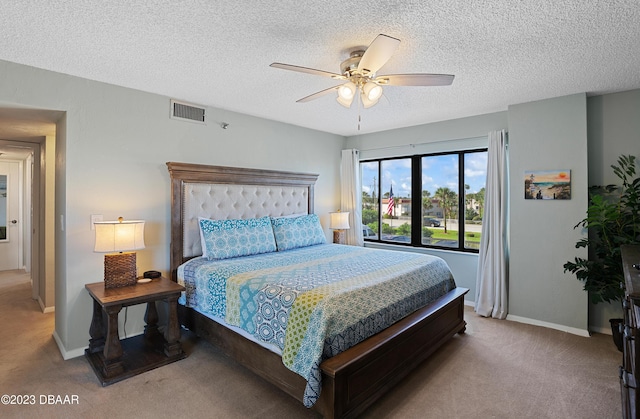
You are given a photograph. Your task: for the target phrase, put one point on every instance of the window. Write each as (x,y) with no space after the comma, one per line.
(370,199)
(434,200)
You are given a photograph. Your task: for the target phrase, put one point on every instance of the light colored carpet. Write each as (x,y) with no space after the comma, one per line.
(14,277)
(498,369)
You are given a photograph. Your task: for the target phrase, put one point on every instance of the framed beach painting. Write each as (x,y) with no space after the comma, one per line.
(547,184)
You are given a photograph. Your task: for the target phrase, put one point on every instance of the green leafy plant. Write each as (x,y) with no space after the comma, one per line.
(613,219)
(426,233)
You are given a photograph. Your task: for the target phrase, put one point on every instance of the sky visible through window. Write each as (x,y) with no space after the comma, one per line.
(442,171)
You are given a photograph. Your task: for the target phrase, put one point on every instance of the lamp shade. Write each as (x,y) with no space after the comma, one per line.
(339,220)
(119,236)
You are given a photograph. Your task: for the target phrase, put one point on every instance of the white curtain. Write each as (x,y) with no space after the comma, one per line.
(491,281)
(351,195)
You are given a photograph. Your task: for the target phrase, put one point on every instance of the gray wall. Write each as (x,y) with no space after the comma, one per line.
(547,135)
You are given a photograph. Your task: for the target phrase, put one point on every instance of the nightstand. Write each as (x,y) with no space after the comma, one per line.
(113,359)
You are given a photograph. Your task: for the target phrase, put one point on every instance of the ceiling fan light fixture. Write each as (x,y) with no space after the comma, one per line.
(359,74)
(372,91)
(344,102)
(366,102)
(347,91)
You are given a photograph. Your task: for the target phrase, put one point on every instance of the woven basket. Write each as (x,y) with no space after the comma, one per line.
(120,270)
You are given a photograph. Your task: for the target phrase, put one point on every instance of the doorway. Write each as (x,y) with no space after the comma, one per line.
(27,136)
(11,225)
(23,212)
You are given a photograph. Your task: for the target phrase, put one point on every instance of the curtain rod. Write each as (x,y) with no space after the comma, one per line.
(420,144)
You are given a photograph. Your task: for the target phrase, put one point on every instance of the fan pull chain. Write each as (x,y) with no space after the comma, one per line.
(359,114)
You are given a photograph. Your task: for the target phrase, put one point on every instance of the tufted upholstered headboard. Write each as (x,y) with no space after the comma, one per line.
(220,192)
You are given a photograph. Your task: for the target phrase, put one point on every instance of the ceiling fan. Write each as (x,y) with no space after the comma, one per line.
(359,71)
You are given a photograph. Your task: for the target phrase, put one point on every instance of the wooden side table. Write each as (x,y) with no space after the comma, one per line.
(113,359)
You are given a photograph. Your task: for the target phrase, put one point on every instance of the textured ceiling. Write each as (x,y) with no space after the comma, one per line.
(217,53)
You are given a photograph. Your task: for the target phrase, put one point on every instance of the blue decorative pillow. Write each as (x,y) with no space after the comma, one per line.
(298,231)
(225,239)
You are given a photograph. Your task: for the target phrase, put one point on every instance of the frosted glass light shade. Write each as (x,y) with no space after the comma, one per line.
(339,220)
(372,91)
(366,103)
(346,93)
(119,236)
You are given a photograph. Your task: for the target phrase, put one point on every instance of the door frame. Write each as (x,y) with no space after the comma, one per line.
(32,215)
(16,167)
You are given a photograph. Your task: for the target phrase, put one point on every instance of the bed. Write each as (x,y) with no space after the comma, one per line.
(353,377)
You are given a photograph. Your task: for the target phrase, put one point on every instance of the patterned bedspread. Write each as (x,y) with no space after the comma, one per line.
(315,302)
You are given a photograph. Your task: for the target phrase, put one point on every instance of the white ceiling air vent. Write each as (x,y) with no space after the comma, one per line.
(187,112)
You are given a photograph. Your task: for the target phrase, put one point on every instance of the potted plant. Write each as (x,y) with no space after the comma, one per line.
(613,219)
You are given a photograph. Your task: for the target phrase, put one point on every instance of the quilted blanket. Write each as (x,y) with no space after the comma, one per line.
(315,302)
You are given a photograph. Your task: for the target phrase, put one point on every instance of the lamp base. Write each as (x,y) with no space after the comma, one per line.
(120,270)
(339,236)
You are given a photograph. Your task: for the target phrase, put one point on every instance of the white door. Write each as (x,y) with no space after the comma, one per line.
(10,234)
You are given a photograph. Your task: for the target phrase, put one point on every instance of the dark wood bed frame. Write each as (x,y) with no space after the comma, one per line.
(352,380)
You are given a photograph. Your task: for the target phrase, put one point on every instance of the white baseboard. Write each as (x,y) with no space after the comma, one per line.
(563,328)
(572,330)
(45,309)
(63,351)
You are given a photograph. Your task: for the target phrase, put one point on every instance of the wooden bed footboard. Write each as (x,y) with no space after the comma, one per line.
(354,379)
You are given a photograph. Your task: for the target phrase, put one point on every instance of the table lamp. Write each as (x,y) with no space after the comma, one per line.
(119,237)
(339,222)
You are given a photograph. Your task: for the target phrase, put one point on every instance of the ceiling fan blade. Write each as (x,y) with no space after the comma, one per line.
(307,70)
(378,53)
(415,79)
(317,94)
